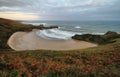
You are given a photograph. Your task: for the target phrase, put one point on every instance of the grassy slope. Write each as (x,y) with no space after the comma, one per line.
(8,27)
(102,61)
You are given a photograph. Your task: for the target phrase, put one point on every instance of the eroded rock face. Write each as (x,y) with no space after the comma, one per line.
(99,39)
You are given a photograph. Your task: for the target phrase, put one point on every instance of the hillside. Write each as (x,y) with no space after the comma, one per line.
(102,61)
(8,27)
(10,22)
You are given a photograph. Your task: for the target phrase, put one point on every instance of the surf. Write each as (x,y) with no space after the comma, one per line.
(55,34)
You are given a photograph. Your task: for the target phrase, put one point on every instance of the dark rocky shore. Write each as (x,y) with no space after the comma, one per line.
(98,39)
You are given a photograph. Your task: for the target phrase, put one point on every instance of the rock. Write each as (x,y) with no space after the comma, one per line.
(51,27)
(111,33)
(42,25)
(90,38)
(99,39)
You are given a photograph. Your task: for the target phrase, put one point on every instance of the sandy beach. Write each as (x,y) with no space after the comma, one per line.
(30,41)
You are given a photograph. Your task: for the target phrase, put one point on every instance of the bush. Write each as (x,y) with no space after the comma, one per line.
(14,73)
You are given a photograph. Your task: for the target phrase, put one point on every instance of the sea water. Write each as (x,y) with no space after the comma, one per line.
(67,29)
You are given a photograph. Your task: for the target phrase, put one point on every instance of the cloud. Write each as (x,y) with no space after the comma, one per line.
(18,16)
(4,8)
(63,9)
(88,3)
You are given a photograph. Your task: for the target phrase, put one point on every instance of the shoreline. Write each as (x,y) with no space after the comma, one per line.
(30,41)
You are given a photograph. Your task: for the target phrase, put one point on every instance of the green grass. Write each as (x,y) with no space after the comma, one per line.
(101,61)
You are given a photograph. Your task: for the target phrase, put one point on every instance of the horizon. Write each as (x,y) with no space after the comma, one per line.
(63,10)
(61,20)
(68,20)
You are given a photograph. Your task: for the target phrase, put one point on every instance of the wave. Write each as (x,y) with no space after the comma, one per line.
(77,27)
(55,34)
(98,33)
(43,23)
(35,23)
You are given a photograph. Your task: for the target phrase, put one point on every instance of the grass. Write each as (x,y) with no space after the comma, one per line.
(101,61)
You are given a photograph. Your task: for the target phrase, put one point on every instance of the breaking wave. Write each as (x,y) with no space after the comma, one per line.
(55,34)
(77,27)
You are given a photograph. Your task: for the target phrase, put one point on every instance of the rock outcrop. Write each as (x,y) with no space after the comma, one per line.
(98,39)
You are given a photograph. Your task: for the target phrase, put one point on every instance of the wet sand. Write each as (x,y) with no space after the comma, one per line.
(30,41)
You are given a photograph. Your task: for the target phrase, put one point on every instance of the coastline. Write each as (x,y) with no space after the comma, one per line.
(30,41)
(101,61)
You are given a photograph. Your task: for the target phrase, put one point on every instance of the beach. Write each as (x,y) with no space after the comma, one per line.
(30,41)
(59,38)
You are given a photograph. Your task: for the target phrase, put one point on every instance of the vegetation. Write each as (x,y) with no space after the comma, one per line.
(101,61)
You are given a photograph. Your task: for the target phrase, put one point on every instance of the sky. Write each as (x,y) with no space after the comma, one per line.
(60,9)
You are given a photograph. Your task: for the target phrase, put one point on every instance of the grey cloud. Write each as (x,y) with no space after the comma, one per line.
(64,9)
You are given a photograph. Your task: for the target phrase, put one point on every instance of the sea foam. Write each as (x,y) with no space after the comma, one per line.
(77,27)
(55,34)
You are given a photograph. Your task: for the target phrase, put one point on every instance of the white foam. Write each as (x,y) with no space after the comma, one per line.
(98,33)
(43,23)
(77,27)
(35,23)
(55,34)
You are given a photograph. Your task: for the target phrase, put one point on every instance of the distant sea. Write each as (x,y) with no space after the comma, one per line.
(69,28)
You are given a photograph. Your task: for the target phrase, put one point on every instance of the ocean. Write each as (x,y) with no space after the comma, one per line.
(67,29)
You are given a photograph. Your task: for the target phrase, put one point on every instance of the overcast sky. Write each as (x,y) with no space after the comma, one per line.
(60,9)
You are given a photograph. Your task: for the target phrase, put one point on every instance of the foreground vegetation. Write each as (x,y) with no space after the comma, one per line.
(102,61)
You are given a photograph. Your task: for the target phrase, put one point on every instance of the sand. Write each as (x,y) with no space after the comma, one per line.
(20,41)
